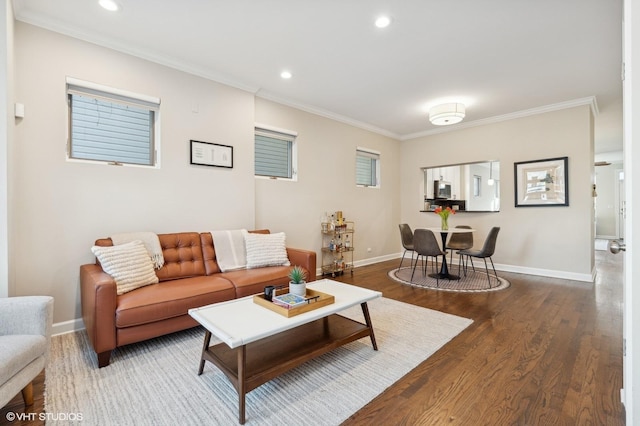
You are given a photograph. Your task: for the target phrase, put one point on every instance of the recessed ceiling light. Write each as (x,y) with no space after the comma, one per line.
(286,75)
(383,22)
(110,5)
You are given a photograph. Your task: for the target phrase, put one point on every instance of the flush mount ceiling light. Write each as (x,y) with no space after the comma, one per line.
(383,22)
(445,114)
(286,75)
(110,5)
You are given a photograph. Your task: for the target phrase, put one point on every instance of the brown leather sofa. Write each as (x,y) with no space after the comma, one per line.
(190,278)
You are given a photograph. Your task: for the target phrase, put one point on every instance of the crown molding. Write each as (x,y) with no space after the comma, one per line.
(52,25)
(590,101)
(328,114)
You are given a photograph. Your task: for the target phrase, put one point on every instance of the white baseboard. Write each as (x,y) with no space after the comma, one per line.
(77,324)
(67,327)
(506,268)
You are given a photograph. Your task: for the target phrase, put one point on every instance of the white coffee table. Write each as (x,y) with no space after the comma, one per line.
(259,344)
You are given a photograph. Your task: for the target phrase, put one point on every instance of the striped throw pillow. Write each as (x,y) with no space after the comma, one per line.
(266,250)
(129,264)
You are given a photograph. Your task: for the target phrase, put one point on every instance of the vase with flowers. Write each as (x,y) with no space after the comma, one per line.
(444,216)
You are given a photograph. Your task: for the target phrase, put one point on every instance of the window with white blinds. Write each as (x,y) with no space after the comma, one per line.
(111,125)
(367,168)
(275,153)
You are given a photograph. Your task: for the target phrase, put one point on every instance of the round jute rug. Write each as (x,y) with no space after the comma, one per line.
(473,282)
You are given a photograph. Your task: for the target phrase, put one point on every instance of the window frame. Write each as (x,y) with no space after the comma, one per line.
(120,97)
(375,171)
(284,135)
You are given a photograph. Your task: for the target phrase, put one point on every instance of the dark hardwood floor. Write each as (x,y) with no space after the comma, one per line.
(543,352)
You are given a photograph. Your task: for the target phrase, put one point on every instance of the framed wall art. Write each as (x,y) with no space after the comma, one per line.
(211,154)
(542,183)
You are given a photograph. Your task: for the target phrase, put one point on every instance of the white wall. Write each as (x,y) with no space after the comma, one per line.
(326,182)
(60,208)
(6,134)
(554,241)
(631,109)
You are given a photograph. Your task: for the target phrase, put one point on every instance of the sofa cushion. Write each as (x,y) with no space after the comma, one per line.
(252,281)
(182,253)
(129,264)
(18,351)
(209,254)
(266,250)
(170,299)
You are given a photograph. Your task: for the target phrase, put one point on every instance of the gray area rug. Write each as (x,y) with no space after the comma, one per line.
(473,282)
(156,382)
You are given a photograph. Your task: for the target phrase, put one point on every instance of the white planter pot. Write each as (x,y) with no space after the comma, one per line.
(298,289)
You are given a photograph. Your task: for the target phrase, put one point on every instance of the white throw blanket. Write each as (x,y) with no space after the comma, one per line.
(231,253)
(150,241)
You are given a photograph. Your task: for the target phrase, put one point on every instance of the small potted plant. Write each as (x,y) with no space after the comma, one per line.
(297,283)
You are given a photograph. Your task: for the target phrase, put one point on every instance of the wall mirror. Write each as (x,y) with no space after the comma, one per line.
(471,187)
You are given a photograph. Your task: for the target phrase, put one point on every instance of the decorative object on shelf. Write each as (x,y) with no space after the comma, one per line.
(297,283)
(542,183)
(446,114)
(444,216)
(211,154)
(337,242)
(324,222)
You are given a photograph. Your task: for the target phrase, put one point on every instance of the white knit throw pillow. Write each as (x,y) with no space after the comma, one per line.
(129,264)
(266,250)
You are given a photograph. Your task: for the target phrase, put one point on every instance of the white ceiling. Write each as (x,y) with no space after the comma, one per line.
(499,57)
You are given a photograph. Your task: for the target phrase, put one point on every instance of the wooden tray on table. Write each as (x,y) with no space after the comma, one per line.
(321,299)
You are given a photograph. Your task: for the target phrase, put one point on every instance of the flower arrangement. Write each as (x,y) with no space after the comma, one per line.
(444,216)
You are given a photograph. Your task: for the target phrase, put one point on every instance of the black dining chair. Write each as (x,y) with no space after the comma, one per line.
(460,241)
(487,250)
(426,245)
(406,234)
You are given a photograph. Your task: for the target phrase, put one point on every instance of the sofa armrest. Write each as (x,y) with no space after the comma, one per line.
(98,296)
(304,258)
(26,315)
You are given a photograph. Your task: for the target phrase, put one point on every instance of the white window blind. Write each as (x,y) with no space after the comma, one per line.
(274,153)
(110,125)
(367,168)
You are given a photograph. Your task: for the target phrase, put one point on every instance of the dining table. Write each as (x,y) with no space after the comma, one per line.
(444,268)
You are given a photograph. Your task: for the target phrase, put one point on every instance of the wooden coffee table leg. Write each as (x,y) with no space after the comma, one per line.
(242,356)
(205,347)
(367,319)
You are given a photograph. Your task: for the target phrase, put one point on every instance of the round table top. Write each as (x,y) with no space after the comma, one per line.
(451,230)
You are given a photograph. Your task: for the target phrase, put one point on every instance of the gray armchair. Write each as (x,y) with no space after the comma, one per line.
(25,336)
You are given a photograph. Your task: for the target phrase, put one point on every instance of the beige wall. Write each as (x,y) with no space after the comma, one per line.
(554,241)
(59,207)
(326,182)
